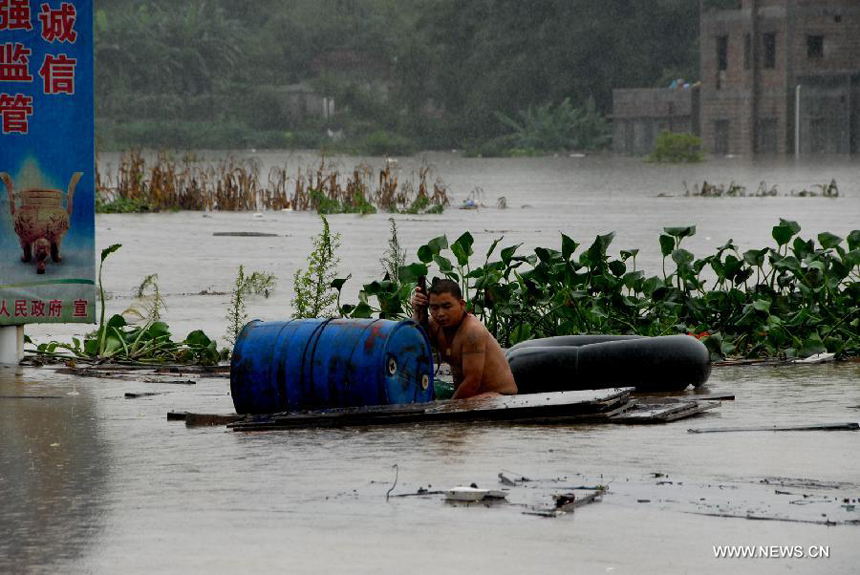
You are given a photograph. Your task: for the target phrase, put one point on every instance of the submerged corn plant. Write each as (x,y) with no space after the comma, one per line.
(231,184)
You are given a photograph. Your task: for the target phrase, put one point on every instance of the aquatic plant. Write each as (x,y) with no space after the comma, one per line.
(148,301)
(676,148)
(257,283)
(314,292)
(118,341)
(733,190)
(793,299)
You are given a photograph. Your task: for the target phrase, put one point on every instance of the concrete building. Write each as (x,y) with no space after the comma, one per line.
(759,60)
(640,114)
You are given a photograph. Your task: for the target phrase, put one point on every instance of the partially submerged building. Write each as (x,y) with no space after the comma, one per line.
(777,77)
(769,63)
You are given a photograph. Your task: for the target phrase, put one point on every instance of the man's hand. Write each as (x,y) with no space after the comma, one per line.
(419,308)
(419,299)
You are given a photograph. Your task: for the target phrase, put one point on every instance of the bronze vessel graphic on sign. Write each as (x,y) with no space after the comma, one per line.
(41,221)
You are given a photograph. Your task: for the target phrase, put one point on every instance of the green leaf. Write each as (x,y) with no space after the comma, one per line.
(802,248)
(438,244)
(667,244)
(792,225)
(755,257)
(682,257)
(601,244)
(617,267)
(425,254)
(379,287)
(338,282)
(782,234)
(109,250)
(627,254)
(158,329)
(852,258)
(445,265)
(787,263)
(362,310)
(493,246)
(854,240)
(462,248)
(411,273)
(681,232)
(762,305)
(828,240)
(632,278)
(568,246)
(198,338)
(508,253)
(116,321)
(547,255)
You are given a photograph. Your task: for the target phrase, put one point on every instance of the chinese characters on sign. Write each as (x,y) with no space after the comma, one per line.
(57,70)
(23,308)
(47,158)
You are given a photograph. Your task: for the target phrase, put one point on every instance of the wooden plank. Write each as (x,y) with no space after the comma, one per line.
(697,409)
(653,412)
(543,407)
(677,398)
(209,419)
(645,414)
(850,426)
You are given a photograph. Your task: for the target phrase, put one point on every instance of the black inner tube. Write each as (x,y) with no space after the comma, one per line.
(564,363)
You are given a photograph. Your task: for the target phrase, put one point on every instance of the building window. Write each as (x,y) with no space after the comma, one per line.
(815,46)
(769,41)
(747,51)
(722,52)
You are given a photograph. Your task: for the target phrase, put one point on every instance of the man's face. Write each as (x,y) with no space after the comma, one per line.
(447,310)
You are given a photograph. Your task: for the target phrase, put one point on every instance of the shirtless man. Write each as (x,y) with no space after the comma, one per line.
(476,358)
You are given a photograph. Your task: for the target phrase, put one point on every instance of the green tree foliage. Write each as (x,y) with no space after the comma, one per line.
(435,72)
(676,148)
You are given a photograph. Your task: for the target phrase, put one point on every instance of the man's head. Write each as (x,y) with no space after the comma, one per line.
(447,305)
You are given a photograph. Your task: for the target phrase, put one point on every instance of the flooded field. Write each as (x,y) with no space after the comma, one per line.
(93,482)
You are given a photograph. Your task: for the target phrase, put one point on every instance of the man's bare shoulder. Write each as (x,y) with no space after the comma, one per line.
(473,335)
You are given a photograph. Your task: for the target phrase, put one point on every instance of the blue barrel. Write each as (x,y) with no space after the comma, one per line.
(324,363)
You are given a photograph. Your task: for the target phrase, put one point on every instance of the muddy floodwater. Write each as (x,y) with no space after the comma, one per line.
(94,482)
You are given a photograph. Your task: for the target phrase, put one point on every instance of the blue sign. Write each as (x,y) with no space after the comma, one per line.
(47,163)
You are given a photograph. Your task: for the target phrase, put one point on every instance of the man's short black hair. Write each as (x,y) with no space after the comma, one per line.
(442,285)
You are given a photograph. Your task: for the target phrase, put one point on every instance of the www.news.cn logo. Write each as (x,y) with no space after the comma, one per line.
(771,552)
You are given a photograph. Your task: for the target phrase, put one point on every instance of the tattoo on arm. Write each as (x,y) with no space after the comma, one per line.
(474,343)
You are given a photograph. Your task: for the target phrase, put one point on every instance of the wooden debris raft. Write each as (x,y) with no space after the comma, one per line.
(559,407)
(588,406)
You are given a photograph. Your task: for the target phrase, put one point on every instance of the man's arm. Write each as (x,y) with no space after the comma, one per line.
(473,357)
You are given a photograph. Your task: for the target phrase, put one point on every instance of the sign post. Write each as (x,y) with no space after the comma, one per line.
(47,164)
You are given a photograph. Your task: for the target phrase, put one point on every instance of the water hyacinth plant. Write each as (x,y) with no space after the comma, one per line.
(794,299)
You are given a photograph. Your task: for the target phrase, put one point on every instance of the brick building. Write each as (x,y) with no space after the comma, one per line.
(754,58)
(640,114)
